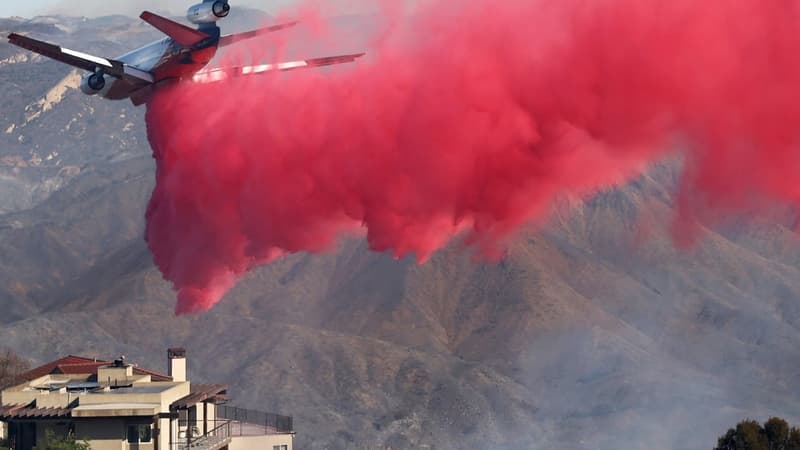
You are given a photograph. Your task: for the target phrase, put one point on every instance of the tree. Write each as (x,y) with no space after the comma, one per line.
(775,434)
(11,367)
(53,442)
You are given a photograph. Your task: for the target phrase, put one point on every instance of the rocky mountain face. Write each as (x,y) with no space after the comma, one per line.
(594,332)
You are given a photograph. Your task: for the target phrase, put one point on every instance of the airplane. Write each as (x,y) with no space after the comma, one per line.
(182,55)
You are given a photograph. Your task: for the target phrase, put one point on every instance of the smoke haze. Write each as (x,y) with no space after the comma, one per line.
(472,119)
(92,8)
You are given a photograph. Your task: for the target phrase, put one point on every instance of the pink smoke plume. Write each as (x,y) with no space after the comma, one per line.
(470,117)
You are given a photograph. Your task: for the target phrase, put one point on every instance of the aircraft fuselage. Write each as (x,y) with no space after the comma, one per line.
(165,59)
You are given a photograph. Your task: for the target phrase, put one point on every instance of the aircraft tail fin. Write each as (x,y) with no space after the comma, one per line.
(183,35)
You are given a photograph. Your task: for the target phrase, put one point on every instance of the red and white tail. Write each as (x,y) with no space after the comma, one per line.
(183,35)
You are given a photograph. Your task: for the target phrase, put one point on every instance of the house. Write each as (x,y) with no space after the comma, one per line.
(115,405)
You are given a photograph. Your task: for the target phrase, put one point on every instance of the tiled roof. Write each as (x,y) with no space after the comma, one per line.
(66,361)
(72,365)
(73,369)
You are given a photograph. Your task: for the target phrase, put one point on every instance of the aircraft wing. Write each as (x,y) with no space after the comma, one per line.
(214,75)
(237,37)
(80,60)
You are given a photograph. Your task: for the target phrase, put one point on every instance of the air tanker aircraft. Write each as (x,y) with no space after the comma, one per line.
(183,55)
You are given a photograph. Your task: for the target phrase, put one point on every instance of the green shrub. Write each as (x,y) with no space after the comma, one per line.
(775,434)
(53,442)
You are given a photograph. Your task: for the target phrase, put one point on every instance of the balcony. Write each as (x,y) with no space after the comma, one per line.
(248,422)
(231,423)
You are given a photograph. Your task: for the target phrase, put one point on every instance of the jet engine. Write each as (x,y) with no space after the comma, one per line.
(93,84)
(208,11)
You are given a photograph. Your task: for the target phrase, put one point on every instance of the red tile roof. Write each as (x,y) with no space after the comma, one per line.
(52,366)
(72,369)
(73,365)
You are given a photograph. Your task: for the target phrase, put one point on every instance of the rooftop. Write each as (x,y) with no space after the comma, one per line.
(73,365)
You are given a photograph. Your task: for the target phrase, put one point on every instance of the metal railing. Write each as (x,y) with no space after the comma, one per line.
(274,423)
(216,438)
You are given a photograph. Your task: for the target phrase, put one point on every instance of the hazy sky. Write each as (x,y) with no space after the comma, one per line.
(29,8)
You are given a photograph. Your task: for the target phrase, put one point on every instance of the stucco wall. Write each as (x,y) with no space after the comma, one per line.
(109,435)
(170,393)
(149,446)
(261,442)
(163,434)
(102,434)
(166,396)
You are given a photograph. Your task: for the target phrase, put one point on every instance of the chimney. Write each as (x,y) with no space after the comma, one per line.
(177,363)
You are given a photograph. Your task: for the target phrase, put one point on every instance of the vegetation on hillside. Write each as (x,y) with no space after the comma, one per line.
(775,434)
(11,367)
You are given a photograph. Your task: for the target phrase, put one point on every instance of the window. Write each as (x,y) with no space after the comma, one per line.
(280,447)
(139,434)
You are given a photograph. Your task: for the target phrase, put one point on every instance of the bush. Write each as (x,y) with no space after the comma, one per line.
(775,434)
(53,442)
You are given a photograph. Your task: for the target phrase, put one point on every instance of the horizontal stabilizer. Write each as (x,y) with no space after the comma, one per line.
(82,60)
(64,55)
(214,75)
(238,37)
(183,35)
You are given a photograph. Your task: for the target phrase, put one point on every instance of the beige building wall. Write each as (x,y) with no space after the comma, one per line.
(180,390)
(206,417)
(267,442)
(212,416)
(115,375)
(149,446)
(163,434)
(172,392)
(107,434)
(201,419)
